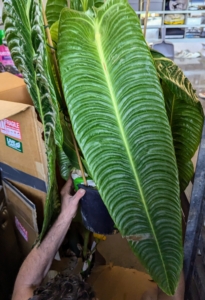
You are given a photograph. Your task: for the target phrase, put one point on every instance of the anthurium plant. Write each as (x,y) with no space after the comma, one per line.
(134,114)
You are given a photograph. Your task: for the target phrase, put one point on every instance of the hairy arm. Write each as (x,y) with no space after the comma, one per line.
(38,262)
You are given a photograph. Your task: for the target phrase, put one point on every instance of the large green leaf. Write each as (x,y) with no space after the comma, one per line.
(117,110)
(185,114)
(26,40)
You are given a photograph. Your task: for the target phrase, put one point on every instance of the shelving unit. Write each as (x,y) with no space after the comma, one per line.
(140,6)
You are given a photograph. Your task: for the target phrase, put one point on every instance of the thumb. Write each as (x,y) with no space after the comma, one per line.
(79,194)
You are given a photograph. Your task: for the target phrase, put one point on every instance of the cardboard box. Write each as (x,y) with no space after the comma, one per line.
(21,144)
(36,196)
(23,215)
(22,158)
(117,283)
(10,256)
(13,88)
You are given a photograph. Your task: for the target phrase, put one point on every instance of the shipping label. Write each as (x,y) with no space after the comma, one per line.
(11,128)
(21,229)
(16,145)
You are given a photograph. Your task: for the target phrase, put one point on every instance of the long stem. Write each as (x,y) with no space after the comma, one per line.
(86,240)
(53,52)
(146,17)
(78,156)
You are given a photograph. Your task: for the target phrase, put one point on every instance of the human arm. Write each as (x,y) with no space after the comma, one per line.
(38,261)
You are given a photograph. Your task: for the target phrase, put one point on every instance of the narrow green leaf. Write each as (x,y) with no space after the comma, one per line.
(64,163)
(185,115)
(26,40)
(118,115)
(68,146)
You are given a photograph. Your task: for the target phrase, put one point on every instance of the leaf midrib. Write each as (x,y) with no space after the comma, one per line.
(172,110)
(126,144)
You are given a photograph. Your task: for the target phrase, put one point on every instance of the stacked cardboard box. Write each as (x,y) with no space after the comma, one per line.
(22,160)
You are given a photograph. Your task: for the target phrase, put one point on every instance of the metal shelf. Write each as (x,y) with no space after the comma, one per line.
(161,26)
(180,40)
(173,26)
(163,12)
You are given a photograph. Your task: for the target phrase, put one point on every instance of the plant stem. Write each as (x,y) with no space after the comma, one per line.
(146,17)
(86,240)
(78,156)
(53,52)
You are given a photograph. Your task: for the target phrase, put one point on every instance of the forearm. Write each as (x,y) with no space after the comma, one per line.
(38,262)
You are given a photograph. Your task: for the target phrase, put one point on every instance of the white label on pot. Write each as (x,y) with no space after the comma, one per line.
(21,229)
(11,128)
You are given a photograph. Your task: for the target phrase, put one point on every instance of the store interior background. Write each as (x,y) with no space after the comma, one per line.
(194,69)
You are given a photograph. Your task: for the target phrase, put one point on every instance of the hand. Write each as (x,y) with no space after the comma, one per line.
(69,204)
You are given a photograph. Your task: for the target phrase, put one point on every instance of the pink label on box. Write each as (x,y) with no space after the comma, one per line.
(10,128)
(21,229)
(5,56)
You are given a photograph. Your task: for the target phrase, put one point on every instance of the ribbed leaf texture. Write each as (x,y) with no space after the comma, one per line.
(26,40)
(84,5)
(185,115)
(53,10)
(54,7)
(117,110)
(54,32)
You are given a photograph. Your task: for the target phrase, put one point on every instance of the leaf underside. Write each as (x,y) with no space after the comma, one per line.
(119,118)
(185,114)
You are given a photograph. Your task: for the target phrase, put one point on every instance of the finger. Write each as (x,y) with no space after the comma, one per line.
(67,187)
(78,195)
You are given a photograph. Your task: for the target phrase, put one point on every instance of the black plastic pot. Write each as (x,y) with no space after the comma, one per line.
(95,215)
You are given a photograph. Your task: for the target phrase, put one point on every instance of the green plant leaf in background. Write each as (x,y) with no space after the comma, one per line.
(185,114)
(54,7)
(54,32)
(117,110)
(26,40)
(53,10)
